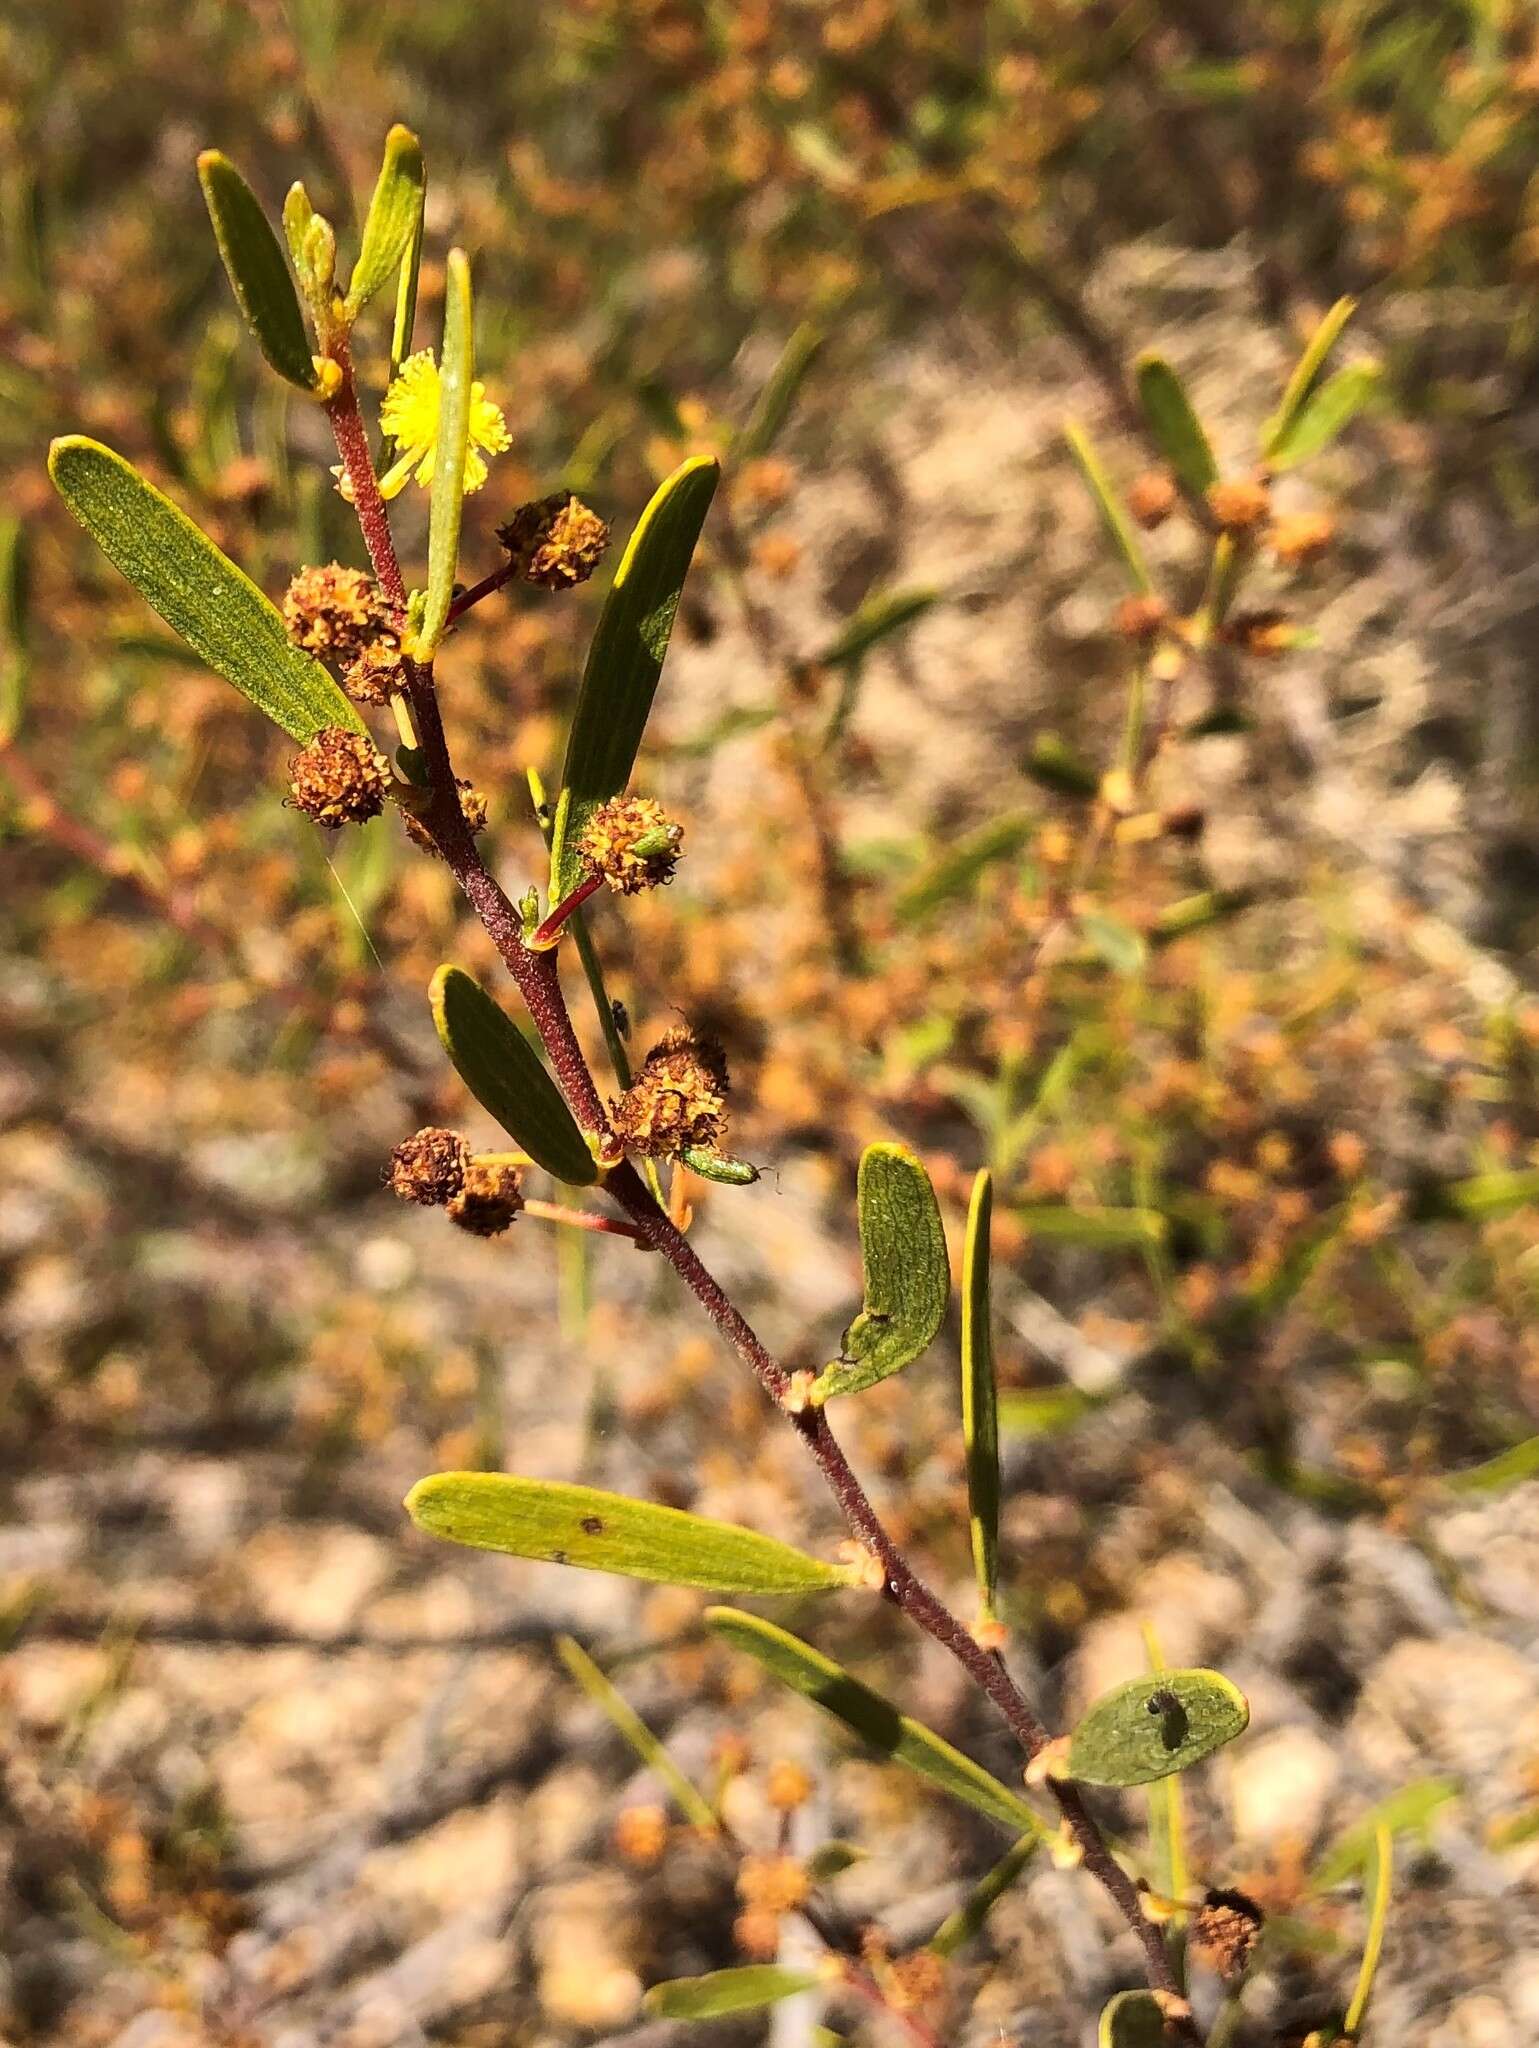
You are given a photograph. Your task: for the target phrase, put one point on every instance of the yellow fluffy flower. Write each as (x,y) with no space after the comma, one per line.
(409,416)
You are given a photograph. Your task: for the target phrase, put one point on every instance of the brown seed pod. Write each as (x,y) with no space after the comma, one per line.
(375,676)
(341,778)
(428,1167)
(1152,497)
(1140,618)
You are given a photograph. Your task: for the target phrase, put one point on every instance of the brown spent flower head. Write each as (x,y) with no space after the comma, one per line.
(375,676)
(678,1098)
(472,810)
(1301,538)
(788,1785)
(1240,504)
(336,612)
(633,843)
(429,1167)
(490,1198)
(341,778)
(1140,618)
(1264,633)
(772,1884)
(555,542)
(641,1835)
(1225,1930)
(1152,497)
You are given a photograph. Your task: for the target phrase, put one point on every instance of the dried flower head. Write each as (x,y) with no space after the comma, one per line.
(772,1884)
(678,1098)
(1225,1930)
(555,542)
(1264,633)
(1240,504)
(1301,538)
(1152,497)
(641,1835)
(428,1167)
(375,676)
(632,843)
(410,413)
(336,612)
(472,810)
(1140,618)
(341,778)
(490,1198)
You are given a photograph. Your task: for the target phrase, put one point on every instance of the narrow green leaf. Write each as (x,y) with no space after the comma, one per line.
(874,1720)
(1306,374)
(1149,1727)
(875,620)
(694,1807)
(980,1395)
(253,257)
(405,320)
(967,1921)
(625,659)
(1132,2020)
(199,592)
(831,1859)
(1484,1196)
(1409,1810)
(780,392)
(1378,1920)
(1123,949)
(15,624)
(298,213)
(1054,764)
(1045,1411)
(1495,1475)
(1110,1229)
(907,1274)
(456,373)
(507,1077)
(1119,527)
(556,1523)
(1196,913)
(955,872)
(394,212)
(1326,413)
(1174,424)
(749,1988)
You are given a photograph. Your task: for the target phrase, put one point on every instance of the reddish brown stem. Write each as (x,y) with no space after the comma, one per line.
(538,980)
(582,1219)
(564,909)
(469,599)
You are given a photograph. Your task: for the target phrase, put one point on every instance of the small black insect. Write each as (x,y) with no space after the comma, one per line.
(1173,1717)
(621,1016)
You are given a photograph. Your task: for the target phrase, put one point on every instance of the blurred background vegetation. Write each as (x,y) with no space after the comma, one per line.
(1263,1110)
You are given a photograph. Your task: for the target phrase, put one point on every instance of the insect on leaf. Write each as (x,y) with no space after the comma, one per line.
(748,1988)
(507,1077)
(907,1274)
(198,591)
(625,659)
(259,276)
(556,1523)
(980,1395)
(456,373)
(1174,424)
(876,1721)
(394,213)
(1150,1727)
